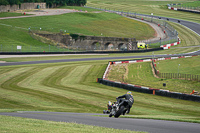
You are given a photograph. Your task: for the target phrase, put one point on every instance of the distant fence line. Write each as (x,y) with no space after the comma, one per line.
(175,75)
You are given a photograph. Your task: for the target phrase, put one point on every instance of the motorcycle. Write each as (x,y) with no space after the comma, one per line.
(115,110)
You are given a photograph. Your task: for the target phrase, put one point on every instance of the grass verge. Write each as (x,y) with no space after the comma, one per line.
(10,14)
(72,87)
(16,124)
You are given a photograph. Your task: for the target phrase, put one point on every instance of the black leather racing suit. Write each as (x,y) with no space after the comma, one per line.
(128,98)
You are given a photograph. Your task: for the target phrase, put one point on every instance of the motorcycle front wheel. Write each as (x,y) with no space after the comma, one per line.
(119,112)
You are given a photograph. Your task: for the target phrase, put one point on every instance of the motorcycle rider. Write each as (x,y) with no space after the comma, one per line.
(128,98)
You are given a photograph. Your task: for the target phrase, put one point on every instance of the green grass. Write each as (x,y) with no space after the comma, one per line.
(72,87)
(141,74)
(159,8)
(14,32)
(10,14)
(190,4)
(14,36)
(171,66)
(79,8)
(16,124)
(86,23)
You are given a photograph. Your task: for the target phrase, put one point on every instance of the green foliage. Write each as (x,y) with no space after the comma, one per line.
(48,2)
(74,36)
(4,2)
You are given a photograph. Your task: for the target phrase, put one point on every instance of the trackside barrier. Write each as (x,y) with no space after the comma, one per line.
(143,89)
(167,46)
(185,10)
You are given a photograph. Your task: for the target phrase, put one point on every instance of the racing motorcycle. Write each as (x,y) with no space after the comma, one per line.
(115,110)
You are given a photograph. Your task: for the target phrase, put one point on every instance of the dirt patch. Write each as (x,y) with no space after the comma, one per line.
(126,72)
(44,12)
(154,74)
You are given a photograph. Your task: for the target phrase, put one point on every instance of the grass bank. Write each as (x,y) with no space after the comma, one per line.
(72,87)
(188,40)
(141,74)
(158,8)
(185,67)
(15,32)
(108,24)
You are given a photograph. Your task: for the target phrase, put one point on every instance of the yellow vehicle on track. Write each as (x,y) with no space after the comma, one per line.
(142,45)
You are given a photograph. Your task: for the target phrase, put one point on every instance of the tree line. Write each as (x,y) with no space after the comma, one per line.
(49,3)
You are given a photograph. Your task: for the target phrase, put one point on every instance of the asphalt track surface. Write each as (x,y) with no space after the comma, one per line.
(147,125)
(93,59)
(191,25)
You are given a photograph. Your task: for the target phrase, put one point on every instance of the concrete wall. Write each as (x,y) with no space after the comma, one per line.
(23,6)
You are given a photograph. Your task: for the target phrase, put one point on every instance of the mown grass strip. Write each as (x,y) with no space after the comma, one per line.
(158,8)
(84,23)
(53,87)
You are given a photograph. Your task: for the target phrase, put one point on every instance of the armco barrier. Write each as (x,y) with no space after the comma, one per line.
(167,46)
(142,89)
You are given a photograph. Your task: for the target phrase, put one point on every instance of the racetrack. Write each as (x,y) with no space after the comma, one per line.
(90,59)
(191,25)
(148,125)
(154,126)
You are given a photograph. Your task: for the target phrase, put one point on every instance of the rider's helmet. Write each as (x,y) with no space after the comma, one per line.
(129,92)
(110,103)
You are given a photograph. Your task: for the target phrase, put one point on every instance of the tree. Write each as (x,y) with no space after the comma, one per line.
(4,2)
(49,3)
